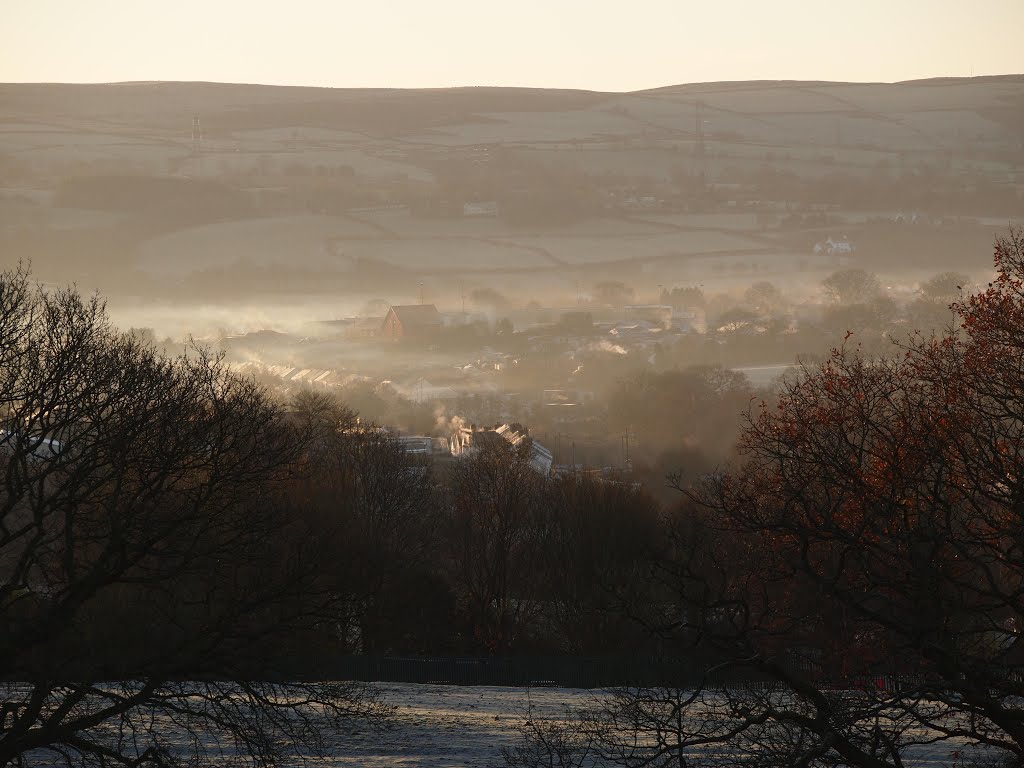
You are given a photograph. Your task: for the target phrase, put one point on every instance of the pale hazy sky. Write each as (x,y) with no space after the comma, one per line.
(595,44)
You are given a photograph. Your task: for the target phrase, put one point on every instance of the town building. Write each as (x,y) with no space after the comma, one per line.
(411,321)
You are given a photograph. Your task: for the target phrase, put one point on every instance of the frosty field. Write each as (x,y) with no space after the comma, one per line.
(447,726)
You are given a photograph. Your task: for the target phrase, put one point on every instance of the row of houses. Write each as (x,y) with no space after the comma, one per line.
(294,375)
(466,441)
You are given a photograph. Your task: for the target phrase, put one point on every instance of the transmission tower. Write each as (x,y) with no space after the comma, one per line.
(698,150)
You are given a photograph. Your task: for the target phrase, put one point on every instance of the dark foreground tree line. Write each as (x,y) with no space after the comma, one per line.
(147,538)
(165,524)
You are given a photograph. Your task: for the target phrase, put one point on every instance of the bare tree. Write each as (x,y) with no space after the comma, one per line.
(147,538)
(495,515)
(764,297)
(601,540)
(554,742)
(376,510)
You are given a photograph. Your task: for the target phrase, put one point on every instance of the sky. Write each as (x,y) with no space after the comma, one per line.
(591,44)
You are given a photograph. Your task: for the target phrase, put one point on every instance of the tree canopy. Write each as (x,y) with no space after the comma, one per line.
(147,538)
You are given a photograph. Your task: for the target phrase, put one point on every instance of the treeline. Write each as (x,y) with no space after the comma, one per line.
(148,536)
(479,555)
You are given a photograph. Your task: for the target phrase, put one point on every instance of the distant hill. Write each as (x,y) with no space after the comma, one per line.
(215,188)
(891,115)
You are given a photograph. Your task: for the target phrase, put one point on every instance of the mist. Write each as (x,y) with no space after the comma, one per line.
(572,242)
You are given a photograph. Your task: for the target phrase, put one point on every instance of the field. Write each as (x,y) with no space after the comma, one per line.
(46,124)
(400,223)
(531,127)
(442,726)
(292,240)
(439,255)
(436,247)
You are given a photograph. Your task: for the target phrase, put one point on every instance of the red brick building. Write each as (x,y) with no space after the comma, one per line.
(411,321)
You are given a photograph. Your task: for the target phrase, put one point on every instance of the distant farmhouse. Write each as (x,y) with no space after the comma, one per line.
(834,247)
(411,321)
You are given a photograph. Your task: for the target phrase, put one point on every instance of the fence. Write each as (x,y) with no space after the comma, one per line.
(574,672)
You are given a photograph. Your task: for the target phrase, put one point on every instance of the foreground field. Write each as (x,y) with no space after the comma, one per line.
(446,726)
(442,726)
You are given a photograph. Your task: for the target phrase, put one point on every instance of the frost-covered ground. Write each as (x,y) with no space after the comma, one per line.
(442,725)
(467,726)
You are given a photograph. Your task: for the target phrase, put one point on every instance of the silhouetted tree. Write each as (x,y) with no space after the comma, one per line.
(945,288)
(871,318)
(851,286)
(864,563)
(496,512)
(375,511)
(600,541)
(763,297)
(147,539)
(698,407)
(933,308)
